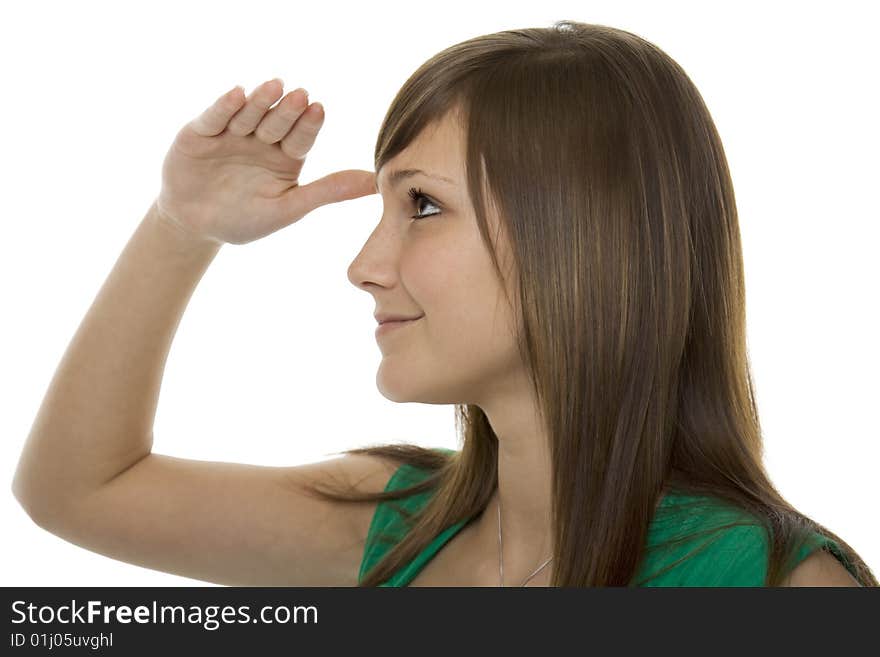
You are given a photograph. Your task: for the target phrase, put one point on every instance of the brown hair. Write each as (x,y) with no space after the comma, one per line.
(612,184)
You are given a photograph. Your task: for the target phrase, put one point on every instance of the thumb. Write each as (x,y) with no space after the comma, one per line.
(333,188)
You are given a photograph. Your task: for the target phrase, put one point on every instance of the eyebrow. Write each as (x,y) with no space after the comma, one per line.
(401,174)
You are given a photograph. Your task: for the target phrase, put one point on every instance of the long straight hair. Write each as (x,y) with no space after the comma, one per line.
(613,189)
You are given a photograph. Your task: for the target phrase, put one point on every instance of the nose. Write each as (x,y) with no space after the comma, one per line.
(377,261)
(352,278)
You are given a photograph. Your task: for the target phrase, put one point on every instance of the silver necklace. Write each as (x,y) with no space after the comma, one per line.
(501,554)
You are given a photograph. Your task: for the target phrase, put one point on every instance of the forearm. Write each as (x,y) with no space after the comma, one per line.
(96,418)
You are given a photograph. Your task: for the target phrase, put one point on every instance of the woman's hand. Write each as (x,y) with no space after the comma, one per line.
(232,173)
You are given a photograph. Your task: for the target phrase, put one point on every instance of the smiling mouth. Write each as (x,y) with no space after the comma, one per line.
(384,327)
(389,321)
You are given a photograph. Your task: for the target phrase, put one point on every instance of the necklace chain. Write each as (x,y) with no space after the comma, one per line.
(501,554)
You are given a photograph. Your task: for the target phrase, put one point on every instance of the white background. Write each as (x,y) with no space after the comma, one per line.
(274,362)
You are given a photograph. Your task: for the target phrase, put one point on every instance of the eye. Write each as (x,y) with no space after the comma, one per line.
(417,196)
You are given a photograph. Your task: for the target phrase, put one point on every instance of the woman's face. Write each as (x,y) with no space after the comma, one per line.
(462,349)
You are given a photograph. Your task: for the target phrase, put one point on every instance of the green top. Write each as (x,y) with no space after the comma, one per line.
(733,556)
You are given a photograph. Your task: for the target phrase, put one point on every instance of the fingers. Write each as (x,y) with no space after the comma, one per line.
(292,121)
(278,120)
(363,183)
(213,120)
(301,138)
(333,188)
(261,98)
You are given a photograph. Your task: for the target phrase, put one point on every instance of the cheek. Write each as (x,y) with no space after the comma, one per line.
(468,323)
(437,278)
(453,283)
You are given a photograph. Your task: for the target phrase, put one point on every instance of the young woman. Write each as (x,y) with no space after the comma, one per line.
(559,257)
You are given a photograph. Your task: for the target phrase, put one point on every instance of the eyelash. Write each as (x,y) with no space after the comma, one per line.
(416,195)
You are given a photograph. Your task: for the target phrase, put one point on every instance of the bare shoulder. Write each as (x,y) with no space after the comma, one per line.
(821,568)
(364,473)
(361,473)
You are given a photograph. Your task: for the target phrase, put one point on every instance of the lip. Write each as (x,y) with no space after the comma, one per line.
(387,327)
